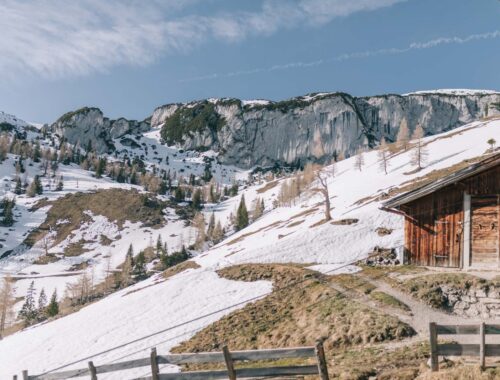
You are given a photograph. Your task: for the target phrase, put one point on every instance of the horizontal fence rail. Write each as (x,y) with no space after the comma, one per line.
(226,356)
(480,349)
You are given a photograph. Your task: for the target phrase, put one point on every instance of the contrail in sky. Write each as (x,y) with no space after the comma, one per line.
(348,56)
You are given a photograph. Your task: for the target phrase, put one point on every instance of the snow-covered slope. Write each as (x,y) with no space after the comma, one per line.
(283,234)
(11,119)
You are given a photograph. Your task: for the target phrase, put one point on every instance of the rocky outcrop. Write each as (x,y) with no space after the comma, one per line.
(317,127)
(481,302)
(88,126)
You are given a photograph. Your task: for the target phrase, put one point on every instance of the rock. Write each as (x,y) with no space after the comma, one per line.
(317,127)
(89,126)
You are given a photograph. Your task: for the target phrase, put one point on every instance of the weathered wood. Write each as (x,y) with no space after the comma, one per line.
(320,356)
(243,373)
(458,349)
(211,357)
(434,346)
(231,373)
(14,377)
(186,358)
(154,364)
(92,371)
(482,342)
(25,375)
(457,329)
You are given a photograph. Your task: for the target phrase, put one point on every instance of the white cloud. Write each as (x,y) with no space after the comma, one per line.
(58,38)
(356,55)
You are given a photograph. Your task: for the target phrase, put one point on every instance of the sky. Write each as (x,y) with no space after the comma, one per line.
(128,57)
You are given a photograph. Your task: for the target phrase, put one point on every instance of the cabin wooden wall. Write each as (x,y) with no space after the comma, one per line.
(434,226)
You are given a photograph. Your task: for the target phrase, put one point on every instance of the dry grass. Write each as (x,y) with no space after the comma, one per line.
(46,259)
(180,268)
(267,186)
(387,299)
(117,205)
(461,372)
(295,316)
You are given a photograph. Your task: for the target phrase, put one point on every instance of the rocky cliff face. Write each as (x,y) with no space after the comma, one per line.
(89,126)
(315,127)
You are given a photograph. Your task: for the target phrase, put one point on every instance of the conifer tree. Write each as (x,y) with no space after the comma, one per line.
(36,152)
(28,311)
(60,184)
(53,307)
(241,215)
(159,246)
(197,200)
(19,187)
(42,304)
(8,214)
(492,142)
(130,254)
(140,265)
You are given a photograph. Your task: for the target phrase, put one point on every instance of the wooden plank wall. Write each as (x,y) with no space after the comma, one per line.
(434,228)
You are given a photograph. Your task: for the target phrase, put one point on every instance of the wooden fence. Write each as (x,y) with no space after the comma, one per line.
(227,357)
(480,349)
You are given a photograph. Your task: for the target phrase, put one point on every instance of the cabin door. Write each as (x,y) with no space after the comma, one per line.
(442,242)
(485,241)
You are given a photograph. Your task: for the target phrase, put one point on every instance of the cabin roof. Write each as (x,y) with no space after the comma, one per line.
(450,179)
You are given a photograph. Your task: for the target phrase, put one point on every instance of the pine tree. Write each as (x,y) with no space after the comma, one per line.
(258,208)
(140,265)
(42,304)
(8,214)
(130,254)
(36,152)
(19,187)
(492,142)
(35,188)
(7,301)
(403,136)
(179,194)
(159,246)
(241,215)
(101,166)
(53,307)
(197,200)
(60,184)
(28,311)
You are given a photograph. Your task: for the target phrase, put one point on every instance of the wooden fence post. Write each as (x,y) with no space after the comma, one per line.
(229,363)
(434,347)
(25,375)
(320,355)
(15,377)
(482,341)
(92,370)
(154,364)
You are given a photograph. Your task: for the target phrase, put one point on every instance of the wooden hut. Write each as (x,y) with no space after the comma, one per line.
(453,222)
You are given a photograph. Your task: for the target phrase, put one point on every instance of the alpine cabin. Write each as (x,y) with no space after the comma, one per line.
(453,222)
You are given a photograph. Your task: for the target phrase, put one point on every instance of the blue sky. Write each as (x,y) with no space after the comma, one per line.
(129,56)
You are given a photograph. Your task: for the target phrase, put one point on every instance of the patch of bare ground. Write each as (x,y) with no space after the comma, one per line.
(304,213)
(180,268)
(294,224)
(301,308)
(267,186)
(317,224)
(46,259)
(117,205)
(344,222)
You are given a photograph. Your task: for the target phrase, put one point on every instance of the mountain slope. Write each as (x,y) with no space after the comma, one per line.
(283,234)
